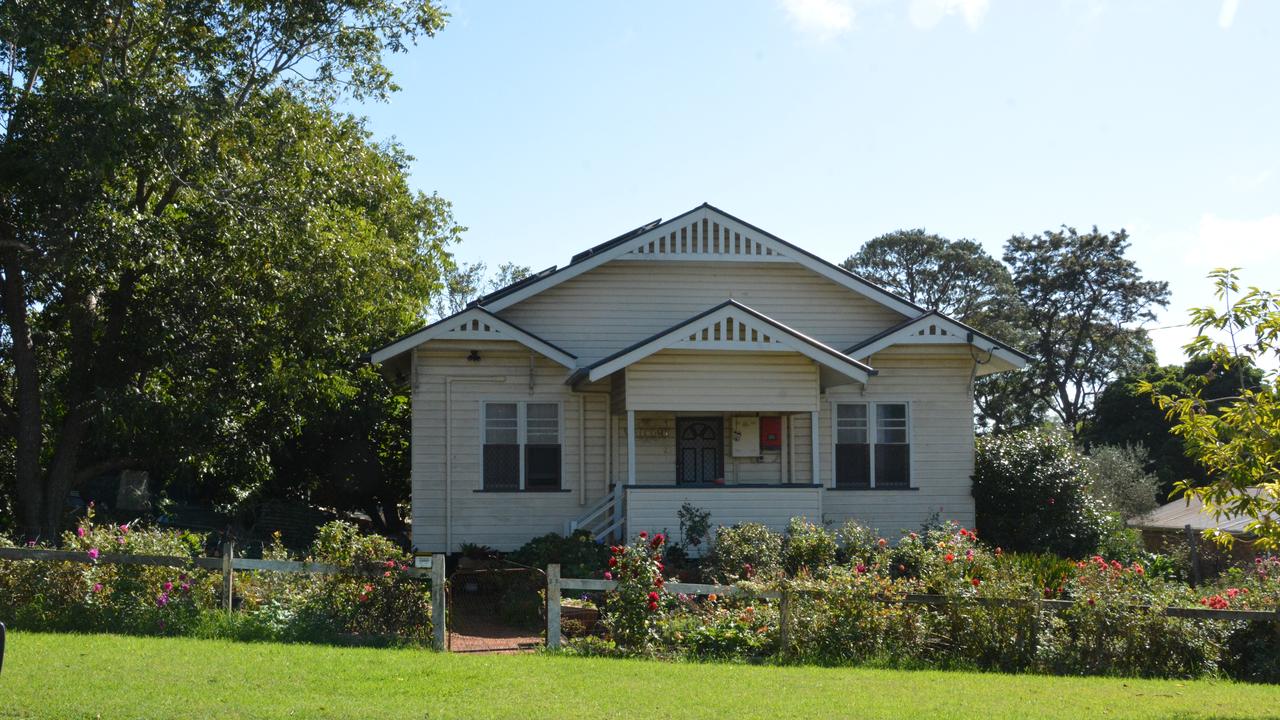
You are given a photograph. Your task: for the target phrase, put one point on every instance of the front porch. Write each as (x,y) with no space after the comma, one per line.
(721,411)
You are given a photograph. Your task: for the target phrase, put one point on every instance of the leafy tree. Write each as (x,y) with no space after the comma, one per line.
(1124,415)
(1235,437)
(1083,304)
(466,282)
(1119,479)
(955,277)
(959,279)
(191,240)
(351,454)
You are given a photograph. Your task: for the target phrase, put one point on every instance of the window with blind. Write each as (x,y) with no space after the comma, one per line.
(521,446)
(872,445)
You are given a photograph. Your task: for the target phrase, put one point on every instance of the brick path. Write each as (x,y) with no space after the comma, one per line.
(478,630)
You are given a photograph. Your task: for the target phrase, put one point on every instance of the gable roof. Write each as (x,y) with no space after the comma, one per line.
(728,326)
(473,323)
(677,239)
(934,328)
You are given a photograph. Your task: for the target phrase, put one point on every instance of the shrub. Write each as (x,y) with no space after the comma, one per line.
(1118,478)
(838,620)
(726,630)
(1031,494)
(578,555)
(808,547)
(1107,631)
(695,523)
(858,543)
(135,599)
(631,611)
(379,603)
(743,552)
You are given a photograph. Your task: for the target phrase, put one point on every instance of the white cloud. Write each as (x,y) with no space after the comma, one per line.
(824,19)
(1227,15)
(926,14)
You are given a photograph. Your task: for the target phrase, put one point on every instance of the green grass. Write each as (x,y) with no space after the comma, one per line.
(73,676)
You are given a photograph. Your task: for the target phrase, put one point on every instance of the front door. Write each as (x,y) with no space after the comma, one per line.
(699,449)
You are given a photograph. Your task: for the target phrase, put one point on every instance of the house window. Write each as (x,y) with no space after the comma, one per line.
(872,445)
(892,466)
(521,446)
(853,446)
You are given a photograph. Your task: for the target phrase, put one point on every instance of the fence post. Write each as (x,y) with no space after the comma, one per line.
(439,622)
(1194,542)
(784,622)
(228,573)
(553,607)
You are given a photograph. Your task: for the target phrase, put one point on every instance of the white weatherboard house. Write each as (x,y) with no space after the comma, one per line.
(698,360)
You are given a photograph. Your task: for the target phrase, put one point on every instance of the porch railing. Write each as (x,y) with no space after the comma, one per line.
(603,519)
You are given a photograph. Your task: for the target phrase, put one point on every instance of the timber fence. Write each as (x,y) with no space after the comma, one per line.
(431,568)
(556,584)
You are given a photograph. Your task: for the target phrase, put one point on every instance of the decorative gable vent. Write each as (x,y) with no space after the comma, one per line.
(708,238)
(731,333)
(473,328)
(933,330)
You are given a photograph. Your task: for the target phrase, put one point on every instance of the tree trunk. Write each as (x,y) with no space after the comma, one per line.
(28,436)
(62,470)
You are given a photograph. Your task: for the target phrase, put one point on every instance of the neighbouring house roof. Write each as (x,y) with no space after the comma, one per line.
(934,328)
(728,326)
(1177,515)
(629,241)
(473,323)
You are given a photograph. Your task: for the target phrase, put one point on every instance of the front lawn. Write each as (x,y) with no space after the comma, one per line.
(75,676)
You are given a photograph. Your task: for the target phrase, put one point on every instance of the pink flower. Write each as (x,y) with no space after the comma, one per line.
(643,535)
(162,599)
(969,555)
(80,531)
(186,587)
(124,529)
(120,540)
(93,553)
(882,542)
(167,586)
(861,568)
(608,575)
(97,587)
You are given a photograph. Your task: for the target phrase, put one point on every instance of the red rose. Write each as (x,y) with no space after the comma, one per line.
(950,558)
(653,597)
(976,582)
(613,562)
(653,605)
(643,534)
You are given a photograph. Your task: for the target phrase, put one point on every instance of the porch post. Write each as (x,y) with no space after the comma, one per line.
(813,441)
(631,447)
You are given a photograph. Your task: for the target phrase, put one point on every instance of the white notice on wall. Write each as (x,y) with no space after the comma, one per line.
(746,436)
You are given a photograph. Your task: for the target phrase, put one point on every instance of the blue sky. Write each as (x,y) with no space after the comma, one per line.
(554,126)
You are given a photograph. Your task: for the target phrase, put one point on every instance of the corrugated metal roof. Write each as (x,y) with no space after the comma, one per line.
(1181,513)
